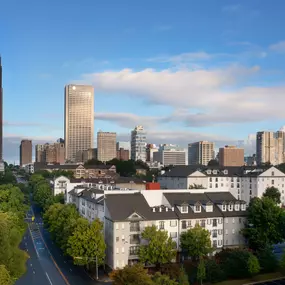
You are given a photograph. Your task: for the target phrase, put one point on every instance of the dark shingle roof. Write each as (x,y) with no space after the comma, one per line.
(121,206)
(176,199)
(183,170)
(88,193)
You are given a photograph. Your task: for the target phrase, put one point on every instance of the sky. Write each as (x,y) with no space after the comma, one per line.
(186,70)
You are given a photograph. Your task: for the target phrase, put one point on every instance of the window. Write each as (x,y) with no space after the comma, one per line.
(233,220)
(135,227)
(117,250)
(184,209)
(210,177)
(117,239)
(272,173)
(183,225)
(214,233)
(203,223)
(226,220)
(123,250)
(214,243)
(173,223)
(198,208)
(217,186)
(272,181)
(210,185)
(209,208)
(216,177)
(220,242)
(209,221)
(220,232)
(233,231)
(224,207)
(173,234)
(117,226)
(134,250)
(214,222)
(230,207)
(232,185)
(161,225)
(226,231)
(135,239)
(123,238)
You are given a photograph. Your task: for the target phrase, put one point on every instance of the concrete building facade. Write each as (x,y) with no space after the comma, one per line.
(138,144)
(50,153)
(106,146)
(26,149)
(231,156)
(78,119)
(200,153)
(170,155)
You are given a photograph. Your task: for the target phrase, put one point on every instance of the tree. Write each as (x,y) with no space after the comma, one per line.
(43,195)
(161,279)
(267,260)
(131,275)
(86,244)
(160,248)
(266,223)
(253,265)
(214,272)
(183,278)
(196,242)
(273,193)
(201,271)
(5,278)
(213,162)
(196,186)
(282,262)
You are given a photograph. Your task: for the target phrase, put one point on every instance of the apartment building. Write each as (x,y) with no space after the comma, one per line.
(270,147)
(106,146)
(50,153)
(26,150)
(169,154)
(138,144)
(150,150)
(243,183)
(123,154)
(173,211)
(231,156)
(200,153)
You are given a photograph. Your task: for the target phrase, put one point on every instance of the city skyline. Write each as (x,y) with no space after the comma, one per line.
(184,78)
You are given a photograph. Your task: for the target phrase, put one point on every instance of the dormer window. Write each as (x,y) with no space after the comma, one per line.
(214,171)
(197,209)
(226,171)
(230,207)
(184,209)
(209,208)
(224,207)
(209,171)
(243,207)
(236,207)
(272,173)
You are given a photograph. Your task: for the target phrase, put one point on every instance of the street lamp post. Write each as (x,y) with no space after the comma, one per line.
(92,259)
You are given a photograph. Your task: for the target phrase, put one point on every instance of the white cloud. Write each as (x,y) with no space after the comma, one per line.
(278,47)
(207,96)
(184,57)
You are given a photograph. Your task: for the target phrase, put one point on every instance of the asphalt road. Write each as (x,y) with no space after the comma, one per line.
(274,282)
(41,269)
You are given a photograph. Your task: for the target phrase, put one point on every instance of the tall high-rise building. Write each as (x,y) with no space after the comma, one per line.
(270,147)
(50,153)
(231,156)
(138,144)
(106,146)
(78,119)
(26,150)
(200,152)
(1,113)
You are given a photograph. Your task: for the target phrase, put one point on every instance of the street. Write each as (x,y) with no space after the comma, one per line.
(273,282)
(47,265)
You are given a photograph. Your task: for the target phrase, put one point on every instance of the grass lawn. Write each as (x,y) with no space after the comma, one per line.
(261,277)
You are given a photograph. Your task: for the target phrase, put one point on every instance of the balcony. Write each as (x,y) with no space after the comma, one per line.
(134,239)
(135,227)
(134,250)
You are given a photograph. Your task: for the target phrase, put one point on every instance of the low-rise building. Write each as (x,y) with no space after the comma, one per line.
(126,214)
(243,183)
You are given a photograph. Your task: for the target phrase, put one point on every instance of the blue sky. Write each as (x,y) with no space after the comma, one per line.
(186,70)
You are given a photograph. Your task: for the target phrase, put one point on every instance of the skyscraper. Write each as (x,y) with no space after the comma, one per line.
(78,119)
(200,152)
(106,146)
(26,152)
(138,144)
(1,114)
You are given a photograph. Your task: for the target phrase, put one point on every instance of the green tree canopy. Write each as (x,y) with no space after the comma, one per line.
(5,278)
(253,265)
(266,223)
(160,248)
(196,242)
(201,271)
(131,275)
(43,195)
(162,279)
(87,242)
(273,193)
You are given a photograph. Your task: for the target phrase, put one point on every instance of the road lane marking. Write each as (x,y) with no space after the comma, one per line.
(33,242)
(48,279)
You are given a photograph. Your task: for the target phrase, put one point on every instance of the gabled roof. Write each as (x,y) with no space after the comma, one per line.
(183,170)
(122,206)
(222,197)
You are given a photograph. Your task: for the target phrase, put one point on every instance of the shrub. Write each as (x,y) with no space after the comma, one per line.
(267,260)
(214,272)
